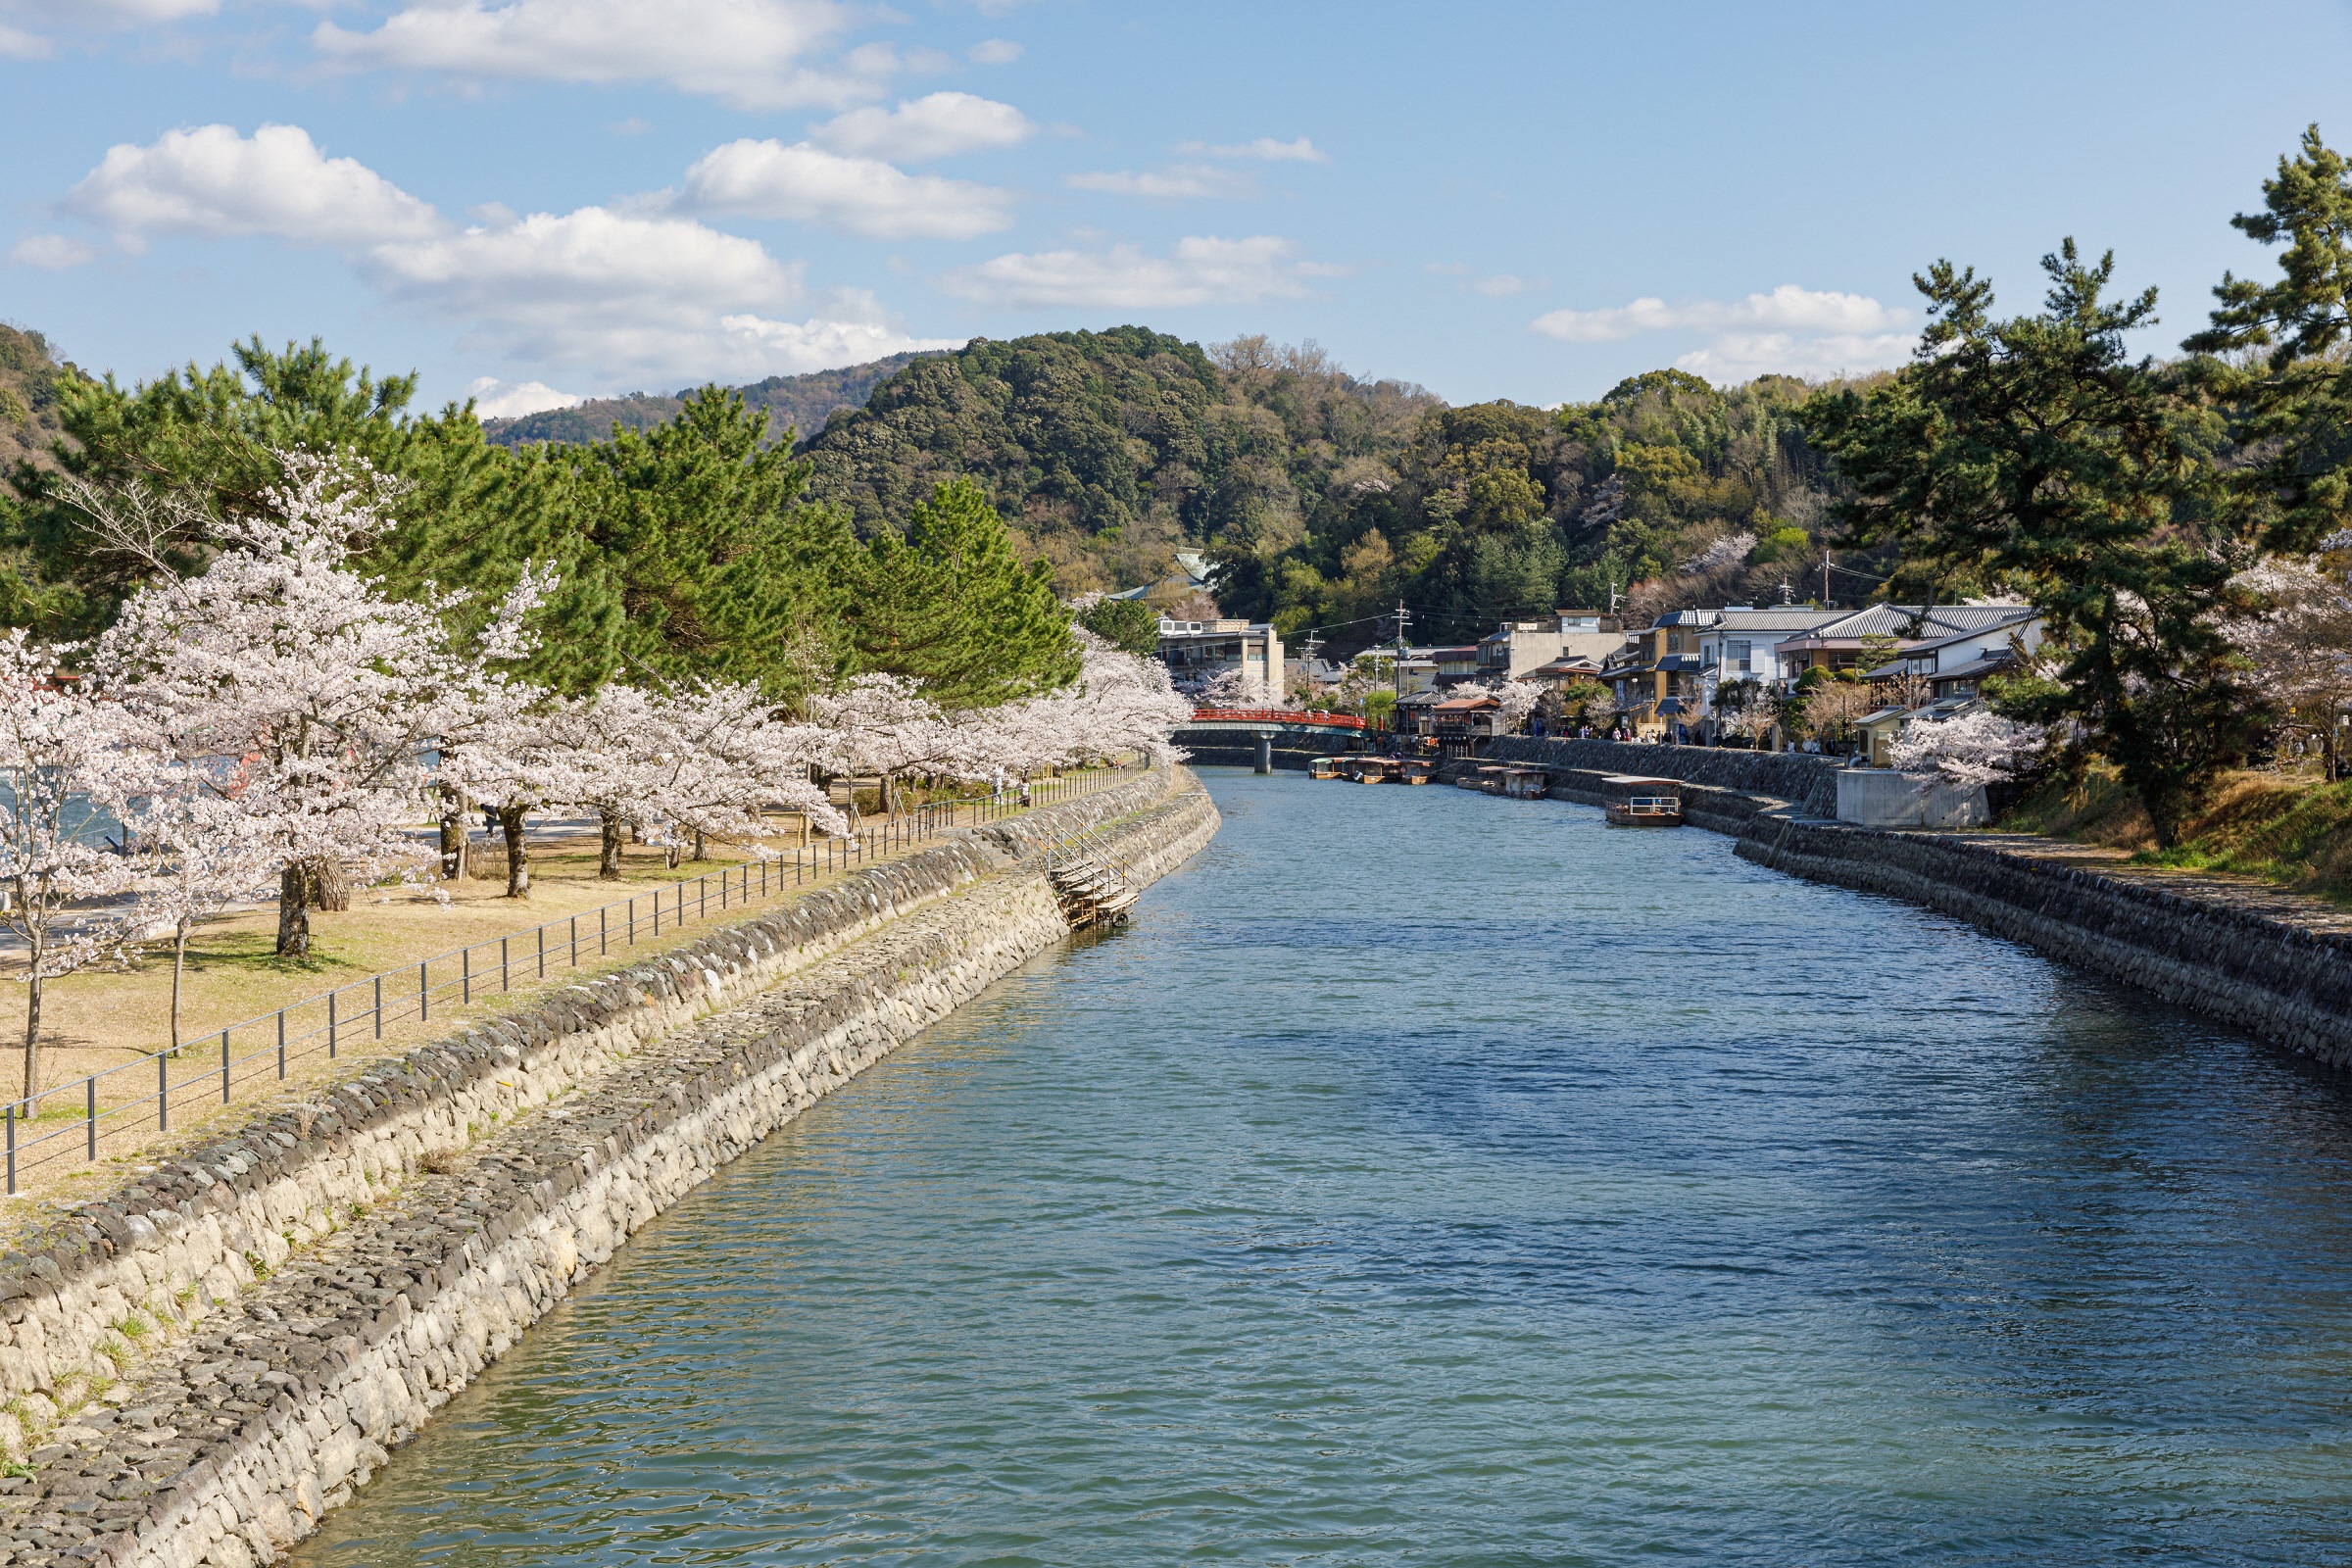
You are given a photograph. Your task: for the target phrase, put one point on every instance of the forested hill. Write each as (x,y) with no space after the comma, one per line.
(1325,499)
(1108,451)
(1667,491)
(795,402)
(28,376)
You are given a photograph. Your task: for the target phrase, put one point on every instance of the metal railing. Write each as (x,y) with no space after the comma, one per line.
(1275,716)
(264,1049)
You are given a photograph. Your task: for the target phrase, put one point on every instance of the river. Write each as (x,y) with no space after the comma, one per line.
(1426,1178)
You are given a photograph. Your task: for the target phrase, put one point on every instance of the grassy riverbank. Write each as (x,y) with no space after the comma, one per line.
(2291,830)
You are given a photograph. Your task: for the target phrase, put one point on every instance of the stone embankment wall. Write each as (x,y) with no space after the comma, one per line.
(261,1320)
(2288,983)
(1809,783)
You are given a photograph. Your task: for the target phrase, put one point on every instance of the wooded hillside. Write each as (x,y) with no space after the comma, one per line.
(797,403)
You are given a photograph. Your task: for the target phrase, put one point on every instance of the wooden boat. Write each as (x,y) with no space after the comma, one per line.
(1376,769)
(1416,770)
(1323,767)
(1632,800)
(1525,783)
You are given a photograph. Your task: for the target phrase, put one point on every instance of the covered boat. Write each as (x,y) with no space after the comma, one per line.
(1525,783)
(1323,767)
(1632,800)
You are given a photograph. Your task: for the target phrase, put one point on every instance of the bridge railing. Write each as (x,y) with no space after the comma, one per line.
(1275,716)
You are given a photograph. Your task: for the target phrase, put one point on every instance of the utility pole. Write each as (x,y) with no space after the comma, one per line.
(1824,580)
(1307,650)
(1403,619)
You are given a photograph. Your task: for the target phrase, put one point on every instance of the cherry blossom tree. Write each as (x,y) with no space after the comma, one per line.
(884,724)
(1516,698)
(2301,646)
(1120,703)
(64,757)
(1971,750)
(197,850)
(1229,688)
(283,655)
(727,757)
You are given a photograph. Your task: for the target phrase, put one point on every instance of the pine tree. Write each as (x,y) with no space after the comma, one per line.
(951,605)
(2035,456)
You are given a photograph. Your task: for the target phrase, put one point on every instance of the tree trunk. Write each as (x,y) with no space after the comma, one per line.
(670,855)
(294,910)
(518,853)
(33,1038)
(607,859)
(180,964)
(701,848)
(453,836)
(330,885)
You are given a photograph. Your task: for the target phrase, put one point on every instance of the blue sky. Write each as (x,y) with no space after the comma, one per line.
(550,198)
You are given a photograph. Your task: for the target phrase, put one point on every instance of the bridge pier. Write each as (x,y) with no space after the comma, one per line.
(1265,754)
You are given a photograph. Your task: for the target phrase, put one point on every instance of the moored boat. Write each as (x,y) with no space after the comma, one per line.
(1323,767)
(1525,783)
(1629,800)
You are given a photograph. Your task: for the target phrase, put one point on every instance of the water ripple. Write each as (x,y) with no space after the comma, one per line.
(1436,1179)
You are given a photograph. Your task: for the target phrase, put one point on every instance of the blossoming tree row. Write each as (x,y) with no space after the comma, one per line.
(278,718)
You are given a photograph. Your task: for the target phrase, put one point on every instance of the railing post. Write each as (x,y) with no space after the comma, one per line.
(89,1090)
(505,982)
(603,940)
(575,941)
(162,1092)
(12,1150)
(225,1064)
(465,976)
(281,1042)
(424,995)
(330,1026)
(379,1006)
(543,953)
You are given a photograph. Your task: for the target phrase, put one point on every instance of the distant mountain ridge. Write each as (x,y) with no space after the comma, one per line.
(796,403)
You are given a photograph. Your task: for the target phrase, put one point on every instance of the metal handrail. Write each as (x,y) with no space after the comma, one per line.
(1276,716)
(413,989)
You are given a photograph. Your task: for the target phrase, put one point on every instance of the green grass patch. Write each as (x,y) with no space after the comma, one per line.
(2289,832)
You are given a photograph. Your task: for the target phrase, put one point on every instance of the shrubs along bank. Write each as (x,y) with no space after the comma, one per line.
(323,1280)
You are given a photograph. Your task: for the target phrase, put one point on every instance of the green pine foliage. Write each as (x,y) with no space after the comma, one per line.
(949,603)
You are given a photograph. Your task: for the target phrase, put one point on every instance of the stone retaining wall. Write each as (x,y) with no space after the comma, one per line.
(310,1289)
(2284,981)
(2287,983)
(1809,783)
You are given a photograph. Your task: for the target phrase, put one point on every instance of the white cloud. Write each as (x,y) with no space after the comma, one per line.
(1739,357)
(862,195)
(629,298)
(18,44)
(116,13)
(494,399)
(1200,270)
(750,53)
(1790,331)
(851,330)
(1265,149)
(213,181)
(52,252)
(1787,307)
(1176,183)
(932,126)
(1502,285)
(994,52)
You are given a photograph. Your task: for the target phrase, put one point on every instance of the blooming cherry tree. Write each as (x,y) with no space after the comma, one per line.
(328,690)
(1517,700)
(195,847)
(64,757)
(1970,750)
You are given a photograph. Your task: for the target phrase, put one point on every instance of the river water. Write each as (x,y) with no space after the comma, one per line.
(1425,1178)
